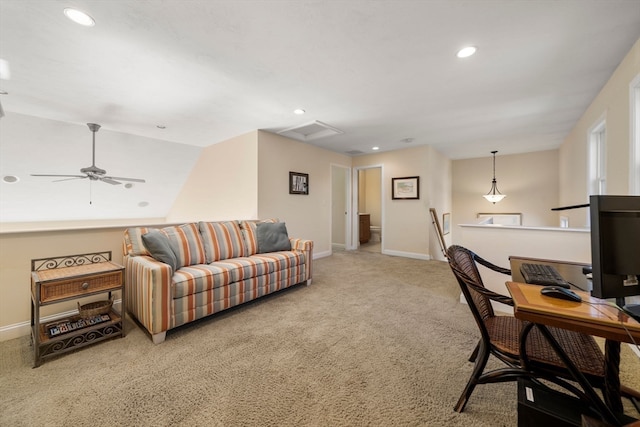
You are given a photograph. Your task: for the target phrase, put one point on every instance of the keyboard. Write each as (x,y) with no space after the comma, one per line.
(542,274)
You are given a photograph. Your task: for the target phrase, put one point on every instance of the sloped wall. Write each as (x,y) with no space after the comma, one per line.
(223,184)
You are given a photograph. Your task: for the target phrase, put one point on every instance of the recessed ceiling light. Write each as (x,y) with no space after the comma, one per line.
(466,51)
(375,148)
(407,140)
(298,111)
(10,179)
(161,126)
(128,185)
(143,204)
(79,17)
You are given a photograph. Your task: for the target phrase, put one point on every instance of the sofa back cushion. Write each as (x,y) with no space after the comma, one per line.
(249,234)
(186,243)
(133,244)
(222,240)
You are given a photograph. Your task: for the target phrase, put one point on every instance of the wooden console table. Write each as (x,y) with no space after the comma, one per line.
(58,279)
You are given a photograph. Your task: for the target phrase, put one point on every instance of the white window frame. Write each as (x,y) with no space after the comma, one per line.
(597,137)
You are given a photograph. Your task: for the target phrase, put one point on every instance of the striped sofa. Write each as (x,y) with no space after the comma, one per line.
(218,266)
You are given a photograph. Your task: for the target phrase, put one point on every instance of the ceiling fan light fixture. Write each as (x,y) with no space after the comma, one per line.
(79,17)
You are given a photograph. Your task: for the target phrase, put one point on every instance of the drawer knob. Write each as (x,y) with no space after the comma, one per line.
(85,285)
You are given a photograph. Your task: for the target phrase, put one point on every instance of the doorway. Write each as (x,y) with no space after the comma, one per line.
(369,209)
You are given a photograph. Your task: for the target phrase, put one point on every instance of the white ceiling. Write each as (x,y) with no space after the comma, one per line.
(380,71)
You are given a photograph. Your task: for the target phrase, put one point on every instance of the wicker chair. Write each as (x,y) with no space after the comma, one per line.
(500,337)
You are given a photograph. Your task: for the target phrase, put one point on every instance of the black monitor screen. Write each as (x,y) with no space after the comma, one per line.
(615,245)
(621,254)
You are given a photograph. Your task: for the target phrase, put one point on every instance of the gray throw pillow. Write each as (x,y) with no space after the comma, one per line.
(158,245)
(272,237)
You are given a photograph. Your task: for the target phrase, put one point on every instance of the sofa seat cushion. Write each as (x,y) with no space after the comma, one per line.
(278,261)
(199,278)
(202,277)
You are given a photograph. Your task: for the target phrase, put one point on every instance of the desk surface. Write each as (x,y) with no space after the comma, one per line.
(570,271)
(592,316)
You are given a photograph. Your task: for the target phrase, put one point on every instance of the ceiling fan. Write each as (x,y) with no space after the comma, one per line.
(93,172)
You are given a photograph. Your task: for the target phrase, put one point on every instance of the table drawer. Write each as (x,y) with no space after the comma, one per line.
(76,287)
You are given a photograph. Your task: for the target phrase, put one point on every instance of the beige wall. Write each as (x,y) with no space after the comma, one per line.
(307,216)
(406,223)
(530,182)
(612,104)
(223,184)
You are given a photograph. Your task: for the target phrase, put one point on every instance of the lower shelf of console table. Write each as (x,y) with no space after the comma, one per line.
(49,346)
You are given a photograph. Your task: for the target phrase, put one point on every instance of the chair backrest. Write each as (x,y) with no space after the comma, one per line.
(463,264)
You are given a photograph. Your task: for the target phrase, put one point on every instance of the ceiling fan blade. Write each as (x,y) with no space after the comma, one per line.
(55,175)
(109,180)
(70,179)
(125,179)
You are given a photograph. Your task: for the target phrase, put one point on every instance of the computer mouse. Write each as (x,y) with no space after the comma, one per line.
(560,293)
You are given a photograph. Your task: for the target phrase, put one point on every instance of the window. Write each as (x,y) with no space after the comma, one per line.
(598,159)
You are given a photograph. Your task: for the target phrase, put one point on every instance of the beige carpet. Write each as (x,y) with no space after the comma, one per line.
(374,341)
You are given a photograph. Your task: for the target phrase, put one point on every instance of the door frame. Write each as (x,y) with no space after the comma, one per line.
(347,204)
(355,220)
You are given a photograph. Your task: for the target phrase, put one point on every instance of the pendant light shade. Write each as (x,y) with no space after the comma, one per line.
(494,195)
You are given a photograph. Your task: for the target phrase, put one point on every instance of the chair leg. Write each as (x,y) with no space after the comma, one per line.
(482,356)
(473,356)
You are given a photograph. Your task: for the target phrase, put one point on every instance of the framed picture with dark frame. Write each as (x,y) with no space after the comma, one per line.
(406,188)
(298,183)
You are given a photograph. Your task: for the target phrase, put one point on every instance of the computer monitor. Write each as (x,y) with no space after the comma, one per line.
(615,246)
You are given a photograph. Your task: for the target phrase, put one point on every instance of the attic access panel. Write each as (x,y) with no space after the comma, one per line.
(310,131)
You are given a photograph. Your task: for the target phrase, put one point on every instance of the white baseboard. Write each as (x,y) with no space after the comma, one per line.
(412,255)
(21,329)
(317,255)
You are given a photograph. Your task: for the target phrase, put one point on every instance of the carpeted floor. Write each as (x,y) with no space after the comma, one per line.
(374,341)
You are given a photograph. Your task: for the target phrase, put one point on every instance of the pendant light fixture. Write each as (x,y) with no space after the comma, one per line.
(494,195)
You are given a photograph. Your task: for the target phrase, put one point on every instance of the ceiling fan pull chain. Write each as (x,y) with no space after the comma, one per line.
(90,192)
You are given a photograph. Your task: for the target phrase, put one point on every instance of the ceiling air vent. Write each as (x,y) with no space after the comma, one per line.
(310,131)
(354,152)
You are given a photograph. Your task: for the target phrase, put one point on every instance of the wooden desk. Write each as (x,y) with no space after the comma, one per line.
(592,316)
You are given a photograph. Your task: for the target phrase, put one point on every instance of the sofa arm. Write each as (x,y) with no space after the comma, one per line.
(306,247)
(148,288)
